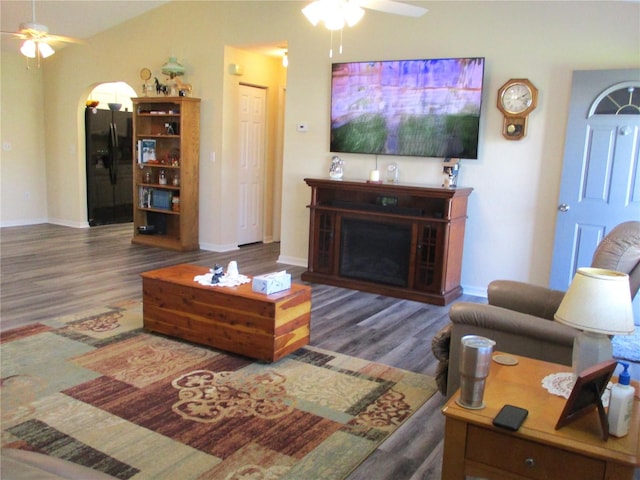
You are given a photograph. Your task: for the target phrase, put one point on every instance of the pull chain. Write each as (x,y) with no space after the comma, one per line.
(331,46)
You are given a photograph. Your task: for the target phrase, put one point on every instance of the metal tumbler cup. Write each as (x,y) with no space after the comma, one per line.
(475,359)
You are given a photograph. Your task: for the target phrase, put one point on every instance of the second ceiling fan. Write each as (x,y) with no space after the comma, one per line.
(37,39)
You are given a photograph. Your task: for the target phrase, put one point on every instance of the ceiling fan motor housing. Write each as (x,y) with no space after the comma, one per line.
(36,29)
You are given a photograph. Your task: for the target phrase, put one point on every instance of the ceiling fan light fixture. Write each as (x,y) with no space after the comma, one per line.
(45,49)
(334,22)
(32,48)
(314,12)
(352,12)
(334,13)
(28,49)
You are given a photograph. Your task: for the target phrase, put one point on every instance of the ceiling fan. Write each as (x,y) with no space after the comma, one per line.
(336,14)
(37,40)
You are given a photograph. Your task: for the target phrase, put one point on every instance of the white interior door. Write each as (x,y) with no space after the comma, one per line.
(252,118)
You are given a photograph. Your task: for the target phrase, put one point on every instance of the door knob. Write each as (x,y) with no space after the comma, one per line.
(563,207)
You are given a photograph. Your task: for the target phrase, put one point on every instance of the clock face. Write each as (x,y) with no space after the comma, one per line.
(517,98)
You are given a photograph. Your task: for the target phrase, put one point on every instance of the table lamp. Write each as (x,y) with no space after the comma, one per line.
(598,303)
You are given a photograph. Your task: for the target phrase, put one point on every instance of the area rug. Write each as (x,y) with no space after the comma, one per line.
(98,390)
(627,347)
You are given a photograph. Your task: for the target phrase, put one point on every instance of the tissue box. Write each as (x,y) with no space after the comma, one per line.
(271,282)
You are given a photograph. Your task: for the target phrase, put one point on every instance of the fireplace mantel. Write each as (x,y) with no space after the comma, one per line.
(434,218)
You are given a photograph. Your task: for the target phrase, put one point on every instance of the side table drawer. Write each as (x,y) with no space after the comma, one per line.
(529,459)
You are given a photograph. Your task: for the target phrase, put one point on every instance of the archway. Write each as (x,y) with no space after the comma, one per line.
(109,154)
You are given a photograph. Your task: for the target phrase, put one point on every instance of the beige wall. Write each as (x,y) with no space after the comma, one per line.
(512,209)
(23,171)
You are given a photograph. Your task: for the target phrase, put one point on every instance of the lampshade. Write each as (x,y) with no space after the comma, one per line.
(173,68)
(599,301)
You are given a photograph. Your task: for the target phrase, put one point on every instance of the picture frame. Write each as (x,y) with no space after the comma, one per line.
(586,396)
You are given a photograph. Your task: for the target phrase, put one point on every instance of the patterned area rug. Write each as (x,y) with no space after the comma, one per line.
(99,391)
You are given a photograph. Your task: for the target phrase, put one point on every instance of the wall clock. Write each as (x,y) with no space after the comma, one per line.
(145,74)
(517,98)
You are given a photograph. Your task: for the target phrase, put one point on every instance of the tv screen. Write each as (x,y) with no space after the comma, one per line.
(422,108)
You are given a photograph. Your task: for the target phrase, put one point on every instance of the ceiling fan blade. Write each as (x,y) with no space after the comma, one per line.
(396,8)
(61,38)
(18,35)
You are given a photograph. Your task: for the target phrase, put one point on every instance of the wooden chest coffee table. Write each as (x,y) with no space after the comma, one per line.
(235,319)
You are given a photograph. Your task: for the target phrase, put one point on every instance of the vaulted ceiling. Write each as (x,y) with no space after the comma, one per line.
(79,19)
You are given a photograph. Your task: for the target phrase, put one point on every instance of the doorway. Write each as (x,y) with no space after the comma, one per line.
(109,154)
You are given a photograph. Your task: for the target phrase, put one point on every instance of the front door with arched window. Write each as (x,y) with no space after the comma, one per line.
(600,185)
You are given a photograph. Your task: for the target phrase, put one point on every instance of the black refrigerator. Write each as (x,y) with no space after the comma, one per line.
(109,146)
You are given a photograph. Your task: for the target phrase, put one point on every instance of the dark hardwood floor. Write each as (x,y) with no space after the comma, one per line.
(49,271)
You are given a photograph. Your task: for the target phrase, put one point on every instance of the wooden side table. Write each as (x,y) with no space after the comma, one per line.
(473,446)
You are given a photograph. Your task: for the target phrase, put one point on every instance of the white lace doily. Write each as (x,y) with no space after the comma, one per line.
(225,280)
(562,383)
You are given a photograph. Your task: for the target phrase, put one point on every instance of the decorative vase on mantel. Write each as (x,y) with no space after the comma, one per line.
(336,170)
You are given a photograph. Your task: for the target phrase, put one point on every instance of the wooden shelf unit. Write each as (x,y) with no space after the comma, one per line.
(177,154)
(434,216)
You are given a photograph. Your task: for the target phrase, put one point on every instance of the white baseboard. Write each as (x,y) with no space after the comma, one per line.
(24,222)
(66,223)
(475,291)
(212,247)
(295,261)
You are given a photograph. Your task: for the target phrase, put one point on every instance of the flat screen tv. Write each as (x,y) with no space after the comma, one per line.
(422,108)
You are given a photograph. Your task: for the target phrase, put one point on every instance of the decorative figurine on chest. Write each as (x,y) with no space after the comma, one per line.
(216,272)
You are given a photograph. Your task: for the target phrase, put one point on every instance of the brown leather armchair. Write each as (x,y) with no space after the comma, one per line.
(519,316)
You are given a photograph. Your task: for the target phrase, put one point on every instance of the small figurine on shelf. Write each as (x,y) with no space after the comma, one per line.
(162,178)
(173,158)
(161,89)
(216,272)
(450,172)
(184,89)
(336,170)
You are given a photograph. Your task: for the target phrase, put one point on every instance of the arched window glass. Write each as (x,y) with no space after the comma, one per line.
(620,101)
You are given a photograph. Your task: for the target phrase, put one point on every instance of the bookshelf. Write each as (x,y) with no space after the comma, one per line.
(166,136)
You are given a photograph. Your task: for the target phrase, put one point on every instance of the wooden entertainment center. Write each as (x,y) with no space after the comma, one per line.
(401,240)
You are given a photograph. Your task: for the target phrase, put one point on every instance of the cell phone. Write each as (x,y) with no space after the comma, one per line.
(510,417)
